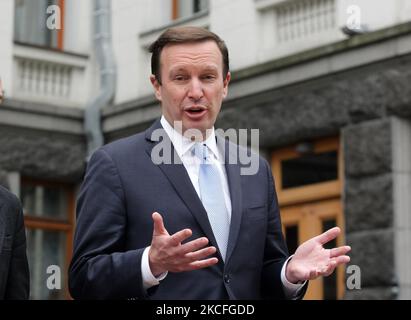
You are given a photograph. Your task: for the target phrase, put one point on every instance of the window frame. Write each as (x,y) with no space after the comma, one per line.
(56,225)
(175,8)
(60,32)
(315,191)
(309,218)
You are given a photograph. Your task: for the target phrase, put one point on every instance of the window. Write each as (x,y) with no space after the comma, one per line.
(291,237)
(186,8)
(49,217)
(308,179)
(30,23)
(308,171)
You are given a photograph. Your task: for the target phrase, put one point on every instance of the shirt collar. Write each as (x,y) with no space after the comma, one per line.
(182,144)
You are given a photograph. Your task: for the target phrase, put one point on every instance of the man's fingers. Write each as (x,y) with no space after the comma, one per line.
(328,235)
(202,264)
(193,245)
(180,236)
(201,254)
(330,269)
(335,252)
(313,275)
(159,228)
(334,262)
(341,260)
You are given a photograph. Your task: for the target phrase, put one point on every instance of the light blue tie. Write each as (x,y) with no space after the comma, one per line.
(212,197)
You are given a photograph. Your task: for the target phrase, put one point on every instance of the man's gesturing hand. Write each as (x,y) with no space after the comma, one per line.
(311,260)
(167,253)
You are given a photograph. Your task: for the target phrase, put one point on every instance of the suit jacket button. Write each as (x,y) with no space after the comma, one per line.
(227,278)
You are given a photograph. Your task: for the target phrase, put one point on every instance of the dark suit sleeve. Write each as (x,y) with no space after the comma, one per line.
(18,281)
(276,252)
(101,267)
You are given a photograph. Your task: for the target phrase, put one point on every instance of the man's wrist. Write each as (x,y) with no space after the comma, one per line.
(290,275)
(154,268)
(149,279)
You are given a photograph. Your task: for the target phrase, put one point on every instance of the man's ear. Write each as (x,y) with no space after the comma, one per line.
(156,86)
(226,82)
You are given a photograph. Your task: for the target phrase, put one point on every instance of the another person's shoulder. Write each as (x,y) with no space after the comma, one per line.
(8,200)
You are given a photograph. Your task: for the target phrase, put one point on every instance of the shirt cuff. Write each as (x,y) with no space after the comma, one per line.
(149,280)
(291,290)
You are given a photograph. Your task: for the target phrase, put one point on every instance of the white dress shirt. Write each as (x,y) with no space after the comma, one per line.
(182,146)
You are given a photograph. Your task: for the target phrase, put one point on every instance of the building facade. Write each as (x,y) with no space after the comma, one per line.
(332,105)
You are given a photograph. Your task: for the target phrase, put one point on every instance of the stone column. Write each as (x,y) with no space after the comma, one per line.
(377,201)
(401,137)
(368,207)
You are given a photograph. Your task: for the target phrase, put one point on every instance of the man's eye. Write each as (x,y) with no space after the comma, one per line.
(180,78)
(209,77)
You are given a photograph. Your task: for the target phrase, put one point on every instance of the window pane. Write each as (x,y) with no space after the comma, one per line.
(44,201)
(330,282)
(291,238)
(45,248)
(187,8)
(30,23)
(200,5)
(309,169)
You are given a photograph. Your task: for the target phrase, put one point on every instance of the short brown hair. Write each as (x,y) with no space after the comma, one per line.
(178,35)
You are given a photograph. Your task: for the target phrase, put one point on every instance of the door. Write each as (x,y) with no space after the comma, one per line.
(304,221)
(308,179)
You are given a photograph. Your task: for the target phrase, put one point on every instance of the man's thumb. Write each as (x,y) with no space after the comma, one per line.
(158,224)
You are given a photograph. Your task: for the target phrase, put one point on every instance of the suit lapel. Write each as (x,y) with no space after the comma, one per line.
(234,183)
(178,177)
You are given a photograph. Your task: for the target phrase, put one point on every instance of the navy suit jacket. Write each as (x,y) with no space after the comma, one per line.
(121,190)
(14,269)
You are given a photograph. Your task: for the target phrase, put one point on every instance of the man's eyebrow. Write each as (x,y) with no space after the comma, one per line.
(181,69)
(178,69)
(210,67)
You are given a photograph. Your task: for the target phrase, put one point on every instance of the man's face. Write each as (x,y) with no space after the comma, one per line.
(192,84)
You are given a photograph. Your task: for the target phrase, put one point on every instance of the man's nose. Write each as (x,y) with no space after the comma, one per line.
(195,90)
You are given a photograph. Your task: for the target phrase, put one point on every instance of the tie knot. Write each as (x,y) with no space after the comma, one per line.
(200,150)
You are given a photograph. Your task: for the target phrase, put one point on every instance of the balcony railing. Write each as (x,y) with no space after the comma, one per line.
(291,26)
(298,19)
(48,76)
(43,79)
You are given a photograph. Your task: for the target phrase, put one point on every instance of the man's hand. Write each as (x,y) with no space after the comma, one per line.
(311,260)
(167,253)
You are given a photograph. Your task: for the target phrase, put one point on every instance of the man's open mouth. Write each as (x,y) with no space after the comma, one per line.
(195,111)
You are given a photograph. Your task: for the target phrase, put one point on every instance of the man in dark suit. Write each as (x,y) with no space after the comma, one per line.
(168,214)
(14,270)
